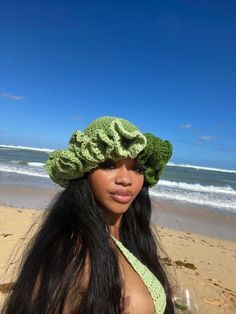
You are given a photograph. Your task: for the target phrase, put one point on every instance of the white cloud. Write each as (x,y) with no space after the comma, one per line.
(207,138)
(12,97)
(186,126)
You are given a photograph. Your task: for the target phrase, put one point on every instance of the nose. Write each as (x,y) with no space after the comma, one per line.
(123,176)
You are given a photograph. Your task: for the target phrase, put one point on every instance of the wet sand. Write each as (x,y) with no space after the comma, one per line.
(205,221)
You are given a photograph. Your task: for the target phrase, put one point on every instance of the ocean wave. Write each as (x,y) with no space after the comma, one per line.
(201,167)
(198,187)
(47,150)
(37,169)
(196,199)
(222,197)
(35,164)
(24,163)
(17,162)
(25,171)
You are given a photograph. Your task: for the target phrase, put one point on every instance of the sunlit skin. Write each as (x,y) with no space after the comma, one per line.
(115,185)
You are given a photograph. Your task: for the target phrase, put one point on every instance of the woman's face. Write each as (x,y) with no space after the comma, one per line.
(116,184)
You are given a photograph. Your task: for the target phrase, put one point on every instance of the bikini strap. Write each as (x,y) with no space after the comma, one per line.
(153,285)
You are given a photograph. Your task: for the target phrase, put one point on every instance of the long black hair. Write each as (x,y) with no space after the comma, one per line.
(73,244)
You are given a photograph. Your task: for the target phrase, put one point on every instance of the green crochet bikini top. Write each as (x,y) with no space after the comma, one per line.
(151,282)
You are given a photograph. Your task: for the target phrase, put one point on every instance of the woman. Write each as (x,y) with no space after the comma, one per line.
(95,251)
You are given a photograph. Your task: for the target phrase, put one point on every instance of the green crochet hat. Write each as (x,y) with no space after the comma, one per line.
(108,138)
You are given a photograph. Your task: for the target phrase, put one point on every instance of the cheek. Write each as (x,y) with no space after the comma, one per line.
(139,183)
(98,182)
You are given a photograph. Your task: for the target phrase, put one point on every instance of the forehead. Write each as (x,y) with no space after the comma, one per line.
(126,161)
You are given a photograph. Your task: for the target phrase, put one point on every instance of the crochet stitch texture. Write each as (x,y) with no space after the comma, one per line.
(108,138)
(155,156)
(153,285)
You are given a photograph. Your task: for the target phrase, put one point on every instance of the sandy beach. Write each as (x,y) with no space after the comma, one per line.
(199,241)
(206,265)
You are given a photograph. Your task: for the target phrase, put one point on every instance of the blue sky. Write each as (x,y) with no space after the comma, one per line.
(168,66)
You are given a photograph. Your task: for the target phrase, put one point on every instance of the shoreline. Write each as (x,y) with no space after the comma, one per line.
(169,214)
(24,196)
(216,224)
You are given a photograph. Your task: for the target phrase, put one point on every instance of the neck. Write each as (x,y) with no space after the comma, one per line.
(115,232)
(114,225)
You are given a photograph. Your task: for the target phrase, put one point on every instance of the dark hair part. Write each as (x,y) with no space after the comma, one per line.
(73,239)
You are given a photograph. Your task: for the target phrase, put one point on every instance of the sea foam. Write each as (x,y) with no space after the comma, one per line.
(47,150)
(201,167)
(198,187)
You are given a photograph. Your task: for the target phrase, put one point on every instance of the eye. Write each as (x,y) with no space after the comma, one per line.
(108,164)
(140,168)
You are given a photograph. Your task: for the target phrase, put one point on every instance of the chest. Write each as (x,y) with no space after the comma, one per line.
(136,297)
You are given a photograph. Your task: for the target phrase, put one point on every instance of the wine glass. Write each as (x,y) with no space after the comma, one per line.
(185,300)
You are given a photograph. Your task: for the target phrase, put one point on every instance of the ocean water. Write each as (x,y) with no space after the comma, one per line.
(187,184)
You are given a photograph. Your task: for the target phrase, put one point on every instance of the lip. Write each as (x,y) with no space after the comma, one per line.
(122,196)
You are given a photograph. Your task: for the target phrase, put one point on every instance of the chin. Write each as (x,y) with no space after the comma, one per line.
(120,211)
(117,209)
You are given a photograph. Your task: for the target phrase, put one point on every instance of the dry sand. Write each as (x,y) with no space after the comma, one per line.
(204,264)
